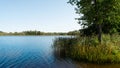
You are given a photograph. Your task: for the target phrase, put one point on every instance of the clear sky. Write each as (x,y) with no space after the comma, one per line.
(41,15)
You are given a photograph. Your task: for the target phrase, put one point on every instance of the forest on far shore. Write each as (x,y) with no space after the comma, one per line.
(30,32)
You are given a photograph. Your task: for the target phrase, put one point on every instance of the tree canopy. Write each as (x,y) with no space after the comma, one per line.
(98,15)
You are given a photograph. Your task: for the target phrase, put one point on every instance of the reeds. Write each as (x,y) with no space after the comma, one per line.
(88,49)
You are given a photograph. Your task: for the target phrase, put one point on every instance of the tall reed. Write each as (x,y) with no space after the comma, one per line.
(88,49)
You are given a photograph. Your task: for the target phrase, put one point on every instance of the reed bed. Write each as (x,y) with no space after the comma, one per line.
(88,49)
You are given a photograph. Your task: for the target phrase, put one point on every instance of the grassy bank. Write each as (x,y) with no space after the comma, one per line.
(88,49)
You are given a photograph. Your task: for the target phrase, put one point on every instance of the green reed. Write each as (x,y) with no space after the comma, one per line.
(88,49)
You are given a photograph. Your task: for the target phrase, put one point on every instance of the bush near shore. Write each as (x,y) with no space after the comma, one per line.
(88,49)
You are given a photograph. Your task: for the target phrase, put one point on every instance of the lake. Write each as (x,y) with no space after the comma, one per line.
(36,52)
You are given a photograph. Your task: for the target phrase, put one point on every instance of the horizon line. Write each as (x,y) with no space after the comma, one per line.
(39,30)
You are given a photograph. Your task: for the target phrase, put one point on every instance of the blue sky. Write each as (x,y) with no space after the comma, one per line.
(42,15)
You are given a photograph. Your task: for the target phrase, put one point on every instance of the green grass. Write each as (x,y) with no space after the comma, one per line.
(88,49)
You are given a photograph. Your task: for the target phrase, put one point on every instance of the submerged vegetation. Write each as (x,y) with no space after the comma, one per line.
(88,49)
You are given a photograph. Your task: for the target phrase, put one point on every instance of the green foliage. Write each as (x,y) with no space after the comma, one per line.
(96,12)
(32,33)
(40,33)
(88,49)
(76,32)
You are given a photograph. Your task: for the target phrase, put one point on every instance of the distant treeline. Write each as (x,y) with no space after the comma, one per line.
(40,33)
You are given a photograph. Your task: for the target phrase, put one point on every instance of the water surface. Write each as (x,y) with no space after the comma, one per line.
(36,52)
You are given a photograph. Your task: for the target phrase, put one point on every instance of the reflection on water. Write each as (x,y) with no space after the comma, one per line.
(30,52)
(36,52)
(86,65)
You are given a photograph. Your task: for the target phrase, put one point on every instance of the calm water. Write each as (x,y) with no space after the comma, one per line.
(36,52)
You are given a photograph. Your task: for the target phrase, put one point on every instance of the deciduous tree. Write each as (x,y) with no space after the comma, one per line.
(98,13)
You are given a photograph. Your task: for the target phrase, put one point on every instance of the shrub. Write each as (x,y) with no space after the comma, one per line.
(89,50)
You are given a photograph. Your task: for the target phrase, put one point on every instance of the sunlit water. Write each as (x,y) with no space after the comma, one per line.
(36,52)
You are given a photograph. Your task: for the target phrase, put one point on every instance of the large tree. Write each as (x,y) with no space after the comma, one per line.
(98,13)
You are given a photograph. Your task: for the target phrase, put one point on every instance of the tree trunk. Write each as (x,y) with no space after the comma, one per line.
(99,33)
(99,24)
